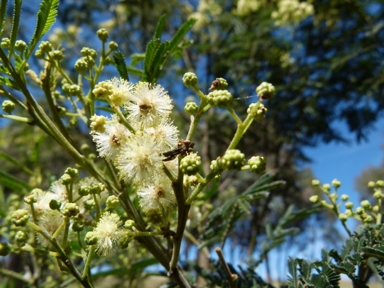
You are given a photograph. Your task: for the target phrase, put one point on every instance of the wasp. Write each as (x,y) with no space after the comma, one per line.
(184,147)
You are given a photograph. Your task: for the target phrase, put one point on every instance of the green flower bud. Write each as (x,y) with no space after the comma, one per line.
(5,249)
(81,66)
(20,46)
(39,54)
(366,205)
(190,164)
(315,182)
(89,204)
(97,123)
(359,210)
(113,46)
(191,180)
(233,159)
(20,217)
(103,90)
(61,110)
(112,202)
(55,204)
(219,84)
(77,226)
(88,52)
(66,179)
(92,156)
(327,187)
(368,219)
(57,55)
(216,165)
(5,43)
(380,183)
(90,238)
(73,172)
(190,79)
(323,202)
(260,112)
(257,164)
(96,188)
(129,224)
(314,199)
(336,183)
(74,90)
(191,108)
(21,237)
(265,91)
(220,98)
(343,217)
(84,191)
(30,199)
(155,217)
(45,46)
(371,184)
(344,197)
(8,106)
(103,34)
(85,148)
(378,194)
(349,213)
(375,208)
(124,241)
(349,205)
(73,122)
(70,209)
(107,61)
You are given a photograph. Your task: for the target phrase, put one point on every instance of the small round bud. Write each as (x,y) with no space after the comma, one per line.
(191,108)
(84,191)
(57,55)
(66,179)
(343,217)
(191,181)
(20,46)
(314,199)
(220,98)
(61,110)
(8,106)
(73,172)
(55,204)
(96,188)
(323,202)
(85,148)
(219,84)
(265,91)
(81,65)
(233,159)
(77,226)
(359,210)
(378,194)
(21,237)
(190,79)
(371,184)
(155,217)
(257,164)
(30,199)
(344,197)
(39,54)
(92,156)
(129,224)
(216,165)
(90,238)
(190,164)
(349,213)
(259,113)
(103,90)
(73,122)
(89,204)
(103,34)
(113,46)
(107,61)
(70,209)
(88,52)
(380,183)
(112,202)
(327,187)
(97,123)
(349,205)
(20,217)
(334,197)
(124,241)
(5,249)
(368,219)
(45,46)
(315,182)
(5,43)
(366,205)
(375,208)
(336,183)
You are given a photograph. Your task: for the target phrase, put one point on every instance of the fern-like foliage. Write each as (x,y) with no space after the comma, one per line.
(365,244)
(119,62)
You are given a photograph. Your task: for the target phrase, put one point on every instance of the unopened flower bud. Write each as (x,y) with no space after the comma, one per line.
(336,183)
(55,204)
(85,148)
(190,79)
(220,98)
(233,159)
(70,209)
(5,43)
(265,91)
(344,197)
(84,191)
(90,238)
(190,164)
(88,52)
(92,156)
(73,172)
(45,46)
(375,208)
(39,54)
(21,237)
(314,199)
(20,46)
(368,219)
(103,34)
(8,106)
(191,108)
(349,205)
(73,122)
(20,217)
(61,110)
(155,217)
(343,217)
(327,187)
(77,226)
(89,204)
(378,195)
(315,182)
(66,179)
(366,205)
(97,123)
(124,241)
(81,66)
(5,249)
(359,210)
(96,188)
(30,199)
(371,184)
(57,55)
(129,224)
(257,164)
(380,183)
(103,90)
(219,84)
(113,46)
(112,202)
(349,213)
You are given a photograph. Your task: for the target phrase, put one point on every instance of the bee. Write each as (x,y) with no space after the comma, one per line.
(184,147)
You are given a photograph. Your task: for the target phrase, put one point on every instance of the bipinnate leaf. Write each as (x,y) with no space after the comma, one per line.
(15,25)
(3,11)
(119,62)
(160,27)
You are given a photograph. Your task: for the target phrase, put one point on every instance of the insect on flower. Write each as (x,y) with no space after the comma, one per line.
(183,147)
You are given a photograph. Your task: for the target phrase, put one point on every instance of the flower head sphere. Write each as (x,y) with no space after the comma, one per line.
(108,232)
(149,105)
